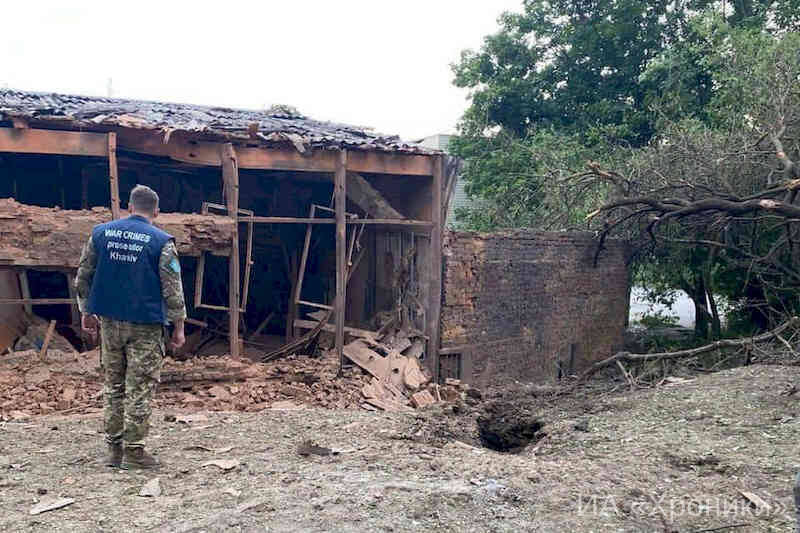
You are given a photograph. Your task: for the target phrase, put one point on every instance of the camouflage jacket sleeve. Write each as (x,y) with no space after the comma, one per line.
(83,280)
(169,267)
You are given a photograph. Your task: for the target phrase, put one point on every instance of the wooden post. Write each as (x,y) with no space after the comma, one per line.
(48,336)
(25,290)
(230,178)
(113,174)
(340,198)
(435,305)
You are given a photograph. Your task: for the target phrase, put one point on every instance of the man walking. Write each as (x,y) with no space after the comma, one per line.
(129,283)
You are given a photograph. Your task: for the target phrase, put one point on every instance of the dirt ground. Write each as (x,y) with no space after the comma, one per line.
(673,458)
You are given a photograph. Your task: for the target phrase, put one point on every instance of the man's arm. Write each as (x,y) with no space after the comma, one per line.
(83,286)
(83,280)
(169,267)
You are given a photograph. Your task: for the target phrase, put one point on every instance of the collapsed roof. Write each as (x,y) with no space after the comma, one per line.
(262,128)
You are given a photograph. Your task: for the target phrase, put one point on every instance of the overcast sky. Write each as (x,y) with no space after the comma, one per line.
(379,63)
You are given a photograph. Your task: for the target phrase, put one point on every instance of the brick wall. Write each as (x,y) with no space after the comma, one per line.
(520,305)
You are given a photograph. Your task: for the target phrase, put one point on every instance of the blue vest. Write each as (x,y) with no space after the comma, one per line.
(127,283)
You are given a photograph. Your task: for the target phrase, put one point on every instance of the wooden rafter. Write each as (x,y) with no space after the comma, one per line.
(32,141)
(36,141)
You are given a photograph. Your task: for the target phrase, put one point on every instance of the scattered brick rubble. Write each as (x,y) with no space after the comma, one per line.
(69,382)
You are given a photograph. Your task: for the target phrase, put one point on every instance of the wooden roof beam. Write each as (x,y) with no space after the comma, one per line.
(58,142)
(33,141)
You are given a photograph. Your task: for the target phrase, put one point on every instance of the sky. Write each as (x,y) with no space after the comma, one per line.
(380,64)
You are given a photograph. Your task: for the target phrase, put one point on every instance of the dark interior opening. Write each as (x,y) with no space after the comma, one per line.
(388,270)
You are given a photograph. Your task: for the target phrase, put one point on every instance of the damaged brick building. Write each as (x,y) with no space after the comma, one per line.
(301,226)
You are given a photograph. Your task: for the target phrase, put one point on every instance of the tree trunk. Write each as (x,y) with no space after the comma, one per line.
(716,323)
(716,326)
(697,292)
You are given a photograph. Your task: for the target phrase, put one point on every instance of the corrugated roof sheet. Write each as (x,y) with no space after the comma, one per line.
(264,127)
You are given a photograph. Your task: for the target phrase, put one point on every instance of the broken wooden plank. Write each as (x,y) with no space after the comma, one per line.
(401,344)
(302,342)
(383,390)
(413,377)
(50,504)
(757,502)
(422,399)
(367,197)
(301,271)
(263,324)
(315,305)
(374,363)
(416,349)
(25,289)
(387,405)
(355,332)
(47,337)
(397,367)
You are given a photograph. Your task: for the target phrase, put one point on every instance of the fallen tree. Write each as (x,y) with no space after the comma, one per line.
(711,205)
(624,357)
(33,236)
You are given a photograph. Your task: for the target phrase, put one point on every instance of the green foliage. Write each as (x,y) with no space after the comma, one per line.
(682,98)
(515,181)
(587,78)
(658,319)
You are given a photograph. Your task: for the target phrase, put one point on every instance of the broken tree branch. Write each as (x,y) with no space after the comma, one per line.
(725,343)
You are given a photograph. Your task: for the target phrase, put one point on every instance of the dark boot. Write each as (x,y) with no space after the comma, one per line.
(137,459)
(114,457)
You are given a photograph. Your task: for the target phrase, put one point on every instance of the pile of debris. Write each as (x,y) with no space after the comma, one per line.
(223,384)
(63,382)
(44,374)
(398,380)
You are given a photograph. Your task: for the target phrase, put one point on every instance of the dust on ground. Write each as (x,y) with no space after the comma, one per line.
(673,458)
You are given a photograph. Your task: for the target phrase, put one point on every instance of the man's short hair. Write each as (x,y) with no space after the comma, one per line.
(144,199)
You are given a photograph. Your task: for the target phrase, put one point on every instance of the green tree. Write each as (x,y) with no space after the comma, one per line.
(713,204)
(567,81)
(592,71)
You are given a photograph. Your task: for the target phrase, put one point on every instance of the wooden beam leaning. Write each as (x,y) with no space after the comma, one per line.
(113,175)
(205,209)
(340,201)
(25,290)
(33,141)
(364,195)
(435,304)
(301,271)
(230,178)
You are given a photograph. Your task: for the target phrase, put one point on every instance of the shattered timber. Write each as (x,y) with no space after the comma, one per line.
(298,238)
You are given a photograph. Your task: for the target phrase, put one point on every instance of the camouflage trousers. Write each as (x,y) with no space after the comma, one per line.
(131,356)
